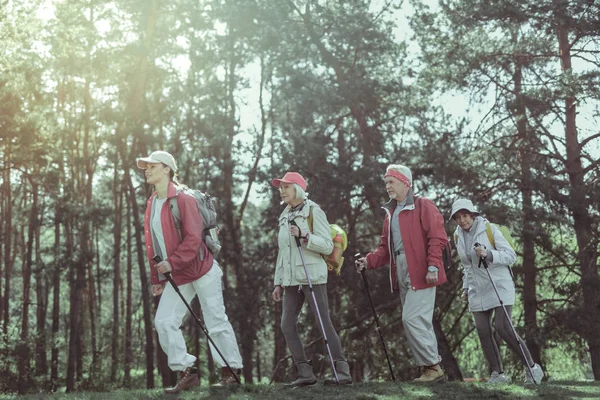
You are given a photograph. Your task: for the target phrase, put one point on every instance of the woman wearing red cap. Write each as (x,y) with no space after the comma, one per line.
(291,283)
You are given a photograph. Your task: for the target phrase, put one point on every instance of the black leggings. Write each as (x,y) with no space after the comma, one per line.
(483,322)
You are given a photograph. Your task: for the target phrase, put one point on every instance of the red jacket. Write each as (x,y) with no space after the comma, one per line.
(424,238)
(183,255)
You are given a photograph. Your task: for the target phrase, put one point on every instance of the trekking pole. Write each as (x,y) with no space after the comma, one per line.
(387,356)
(315,303)
(157,259)
(483,261)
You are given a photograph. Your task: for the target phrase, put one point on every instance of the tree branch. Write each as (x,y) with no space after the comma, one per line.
(260,141)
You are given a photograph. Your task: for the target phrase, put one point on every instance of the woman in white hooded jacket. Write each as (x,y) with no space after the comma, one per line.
(291,281)
(477,287)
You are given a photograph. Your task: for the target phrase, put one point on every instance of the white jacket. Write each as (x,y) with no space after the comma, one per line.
(289,270)
(482,295)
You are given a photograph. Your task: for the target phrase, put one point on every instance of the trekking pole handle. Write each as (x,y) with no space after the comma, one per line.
(482,260)
(293,223)
(363,271)
(167,275)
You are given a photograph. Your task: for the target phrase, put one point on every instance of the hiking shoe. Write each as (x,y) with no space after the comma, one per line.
(343,373)
(305,377)
(187,379)
(498,378)
(227,378)
(536,379)
(430,374)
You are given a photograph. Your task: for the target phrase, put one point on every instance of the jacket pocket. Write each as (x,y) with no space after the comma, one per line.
(505,285)
(316,272)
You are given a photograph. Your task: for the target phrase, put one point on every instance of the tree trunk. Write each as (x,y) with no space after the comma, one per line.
(211,365)
(55,301)
(448,360)
(76,283)
(8,232)
(41,289)
(279,346)
(145,288)
(23,365)
(118,205)
(93,315)
(128,305)
(134,123)
(579,207)
(198,336)
(233,248)
(528,233)
(258,364)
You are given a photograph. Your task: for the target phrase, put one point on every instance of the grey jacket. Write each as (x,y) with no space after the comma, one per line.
(482,296)
(289,270)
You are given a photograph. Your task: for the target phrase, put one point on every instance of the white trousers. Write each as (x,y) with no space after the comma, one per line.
(417,317)
(171,311)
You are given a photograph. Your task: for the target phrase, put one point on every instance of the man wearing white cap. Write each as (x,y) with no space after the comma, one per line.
(412,242)
(193,270)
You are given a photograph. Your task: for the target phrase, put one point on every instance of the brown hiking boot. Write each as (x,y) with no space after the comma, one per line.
(187,379)
(430,374)
(227,378)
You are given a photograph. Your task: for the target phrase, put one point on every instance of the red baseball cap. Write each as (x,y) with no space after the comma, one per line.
(291,177)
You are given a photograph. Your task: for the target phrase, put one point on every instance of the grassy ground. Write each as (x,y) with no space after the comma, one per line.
(362,391)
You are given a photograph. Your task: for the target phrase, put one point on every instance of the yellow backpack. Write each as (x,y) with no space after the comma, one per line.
(488,231)
(334,260)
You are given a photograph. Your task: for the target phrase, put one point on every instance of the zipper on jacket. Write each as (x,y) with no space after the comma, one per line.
(392,259)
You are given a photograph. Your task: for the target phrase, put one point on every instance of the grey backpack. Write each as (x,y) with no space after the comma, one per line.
(206,208)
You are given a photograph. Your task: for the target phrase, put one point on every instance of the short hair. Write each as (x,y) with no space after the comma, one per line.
(300,193)
(471,213)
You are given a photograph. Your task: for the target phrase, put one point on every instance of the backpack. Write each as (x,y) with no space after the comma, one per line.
(447,250)
(208,213)
(334,260)
(505,232)
(490,235)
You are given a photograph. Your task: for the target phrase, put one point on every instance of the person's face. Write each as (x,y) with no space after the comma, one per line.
(464,219)
(156,172)
(395,188)
(287,193)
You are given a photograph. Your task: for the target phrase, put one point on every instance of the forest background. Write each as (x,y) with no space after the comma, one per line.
(496,101)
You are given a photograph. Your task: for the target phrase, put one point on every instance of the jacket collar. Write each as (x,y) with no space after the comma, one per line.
(172,191)
(410,203)
(303,209)
(479,224)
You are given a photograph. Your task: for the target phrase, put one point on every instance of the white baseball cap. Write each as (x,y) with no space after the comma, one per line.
(157,157)
(463,204)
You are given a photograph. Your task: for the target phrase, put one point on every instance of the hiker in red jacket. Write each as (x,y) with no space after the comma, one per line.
(412,242)
(194,276)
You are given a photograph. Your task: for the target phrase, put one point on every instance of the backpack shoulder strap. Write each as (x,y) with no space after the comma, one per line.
(310,219)
(490,234)
(456,238)
(176,214)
